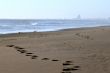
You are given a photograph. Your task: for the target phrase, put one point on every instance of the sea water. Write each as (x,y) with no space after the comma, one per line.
(13,26)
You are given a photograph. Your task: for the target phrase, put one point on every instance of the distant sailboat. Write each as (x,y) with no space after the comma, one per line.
(78,17)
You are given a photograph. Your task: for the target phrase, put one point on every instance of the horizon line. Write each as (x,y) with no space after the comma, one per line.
(52,18)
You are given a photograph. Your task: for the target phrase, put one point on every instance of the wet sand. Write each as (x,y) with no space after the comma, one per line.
(84,50)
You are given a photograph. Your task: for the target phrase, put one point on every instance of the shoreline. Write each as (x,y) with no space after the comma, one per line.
(57,30)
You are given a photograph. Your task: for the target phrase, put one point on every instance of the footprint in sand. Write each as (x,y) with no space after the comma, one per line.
(17,47)
(45,59)
(34,57)
(10,45)
(55,60)
(29,54)
(67,63)
(22,51)
(68,67)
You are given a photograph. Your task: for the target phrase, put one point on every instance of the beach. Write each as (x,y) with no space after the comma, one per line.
(80,50)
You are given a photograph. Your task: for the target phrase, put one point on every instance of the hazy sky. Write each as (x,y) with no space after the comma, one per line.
(54,9)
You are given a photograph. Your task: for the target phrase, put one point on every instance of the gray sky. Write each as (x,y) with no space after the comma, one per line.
(53,9)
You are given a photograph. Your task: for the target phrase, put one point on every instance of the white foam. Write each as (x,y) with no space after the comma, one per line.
(34,24)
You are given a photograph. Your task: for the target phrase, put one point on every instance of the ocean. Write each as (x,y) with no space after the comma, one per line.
(14,26)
